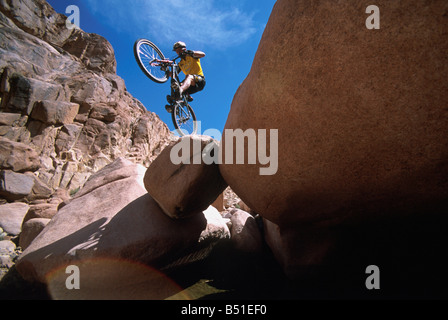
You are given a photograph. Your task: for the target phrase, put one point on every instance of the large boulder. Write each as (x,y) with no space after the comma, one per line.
(114,219)
(361,113)
(361,117)
(181,180)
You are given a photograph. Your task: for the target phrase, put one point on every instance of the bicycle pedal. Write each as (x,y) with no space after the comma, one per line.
(169,108)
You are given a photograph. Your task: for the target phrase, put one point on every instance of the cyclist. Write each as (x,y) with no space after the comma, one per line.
(190,64)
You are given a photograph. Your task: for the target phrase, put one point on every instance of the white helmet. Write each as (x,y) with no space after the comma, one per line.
(179,44)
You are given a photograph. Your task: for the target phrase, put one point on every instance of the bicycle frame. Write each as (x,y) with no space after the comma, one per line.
(183,111)
(167,63)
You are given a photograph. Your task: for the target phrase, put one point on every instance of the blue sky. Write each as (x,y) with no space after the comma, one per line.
(228,31)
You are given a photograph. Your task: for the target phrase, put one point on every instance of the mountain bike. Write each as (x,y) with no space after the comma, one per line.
(159,69)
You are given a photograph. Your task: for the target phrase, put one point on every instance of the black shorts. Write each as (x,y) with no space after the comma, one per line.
(200,84)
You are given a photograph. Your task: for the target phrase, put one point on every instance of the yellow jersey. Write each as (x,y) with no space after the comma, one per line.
(190,65)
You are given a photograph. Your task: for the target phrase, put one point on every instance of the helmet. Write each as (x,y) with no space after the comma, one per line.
(179,44)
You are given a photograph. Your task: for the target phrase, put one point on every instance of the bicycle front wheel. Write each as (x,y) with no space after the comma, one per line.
(184,119)
(147,53)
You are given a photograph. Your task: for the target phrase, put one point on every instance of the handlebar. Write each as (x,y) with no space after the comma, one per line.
(166,62)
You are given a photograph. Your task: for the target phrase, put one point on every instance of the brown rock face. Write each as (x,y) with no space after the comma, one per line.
(361,113)
(51,112)
(95,51)
(362,141)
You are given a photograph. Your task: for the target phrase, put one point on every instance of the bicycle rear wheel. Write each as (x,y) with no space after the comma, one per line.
(146,53)
(184,119)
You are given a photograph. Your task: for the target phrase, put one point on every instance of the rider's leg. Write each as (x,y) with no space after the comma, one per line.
(187,83)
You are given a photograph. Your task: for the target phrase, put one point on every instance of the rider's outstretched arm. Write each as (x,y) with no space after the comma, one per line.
(197,54)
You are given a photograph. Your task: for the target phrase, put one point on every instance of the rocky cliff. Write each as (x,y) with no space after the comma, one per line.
(75,187)
(65,113)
